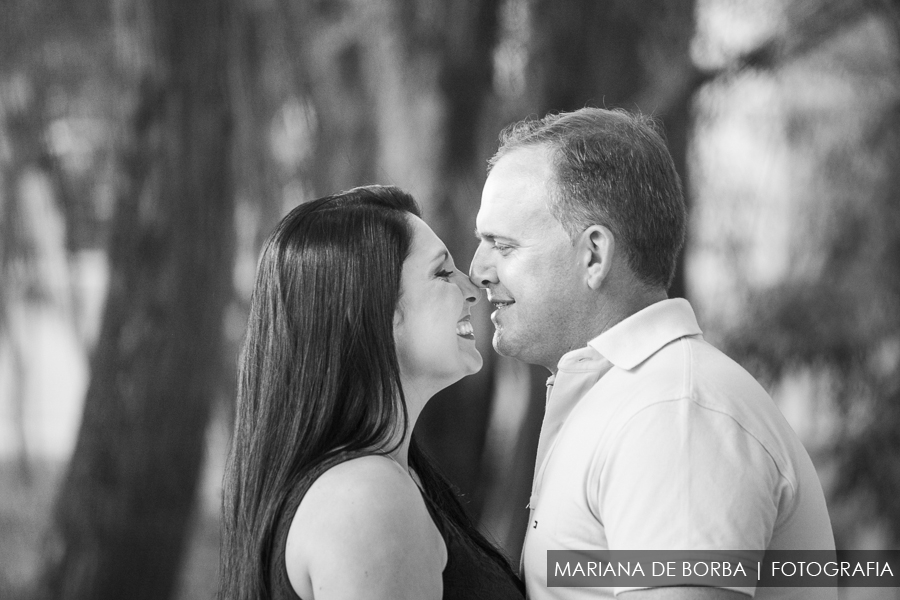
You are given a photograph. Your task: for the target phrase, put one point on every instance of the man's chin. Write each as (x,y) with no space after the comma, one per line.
(522,352)
(503,347)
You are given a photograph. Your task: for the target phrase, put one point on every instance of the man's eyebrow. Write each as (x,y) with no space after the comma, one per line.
(486,235)
(491,237)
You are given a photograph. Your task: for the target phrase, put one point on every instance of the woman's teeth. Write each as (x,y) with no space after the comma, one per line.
(465,329)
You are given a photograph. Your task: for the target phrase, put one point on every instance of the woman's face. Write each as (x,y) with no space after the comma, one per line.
(434,336)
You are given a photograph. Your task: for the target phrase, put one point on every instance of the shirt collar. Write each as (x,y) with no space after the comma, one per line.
(638,337)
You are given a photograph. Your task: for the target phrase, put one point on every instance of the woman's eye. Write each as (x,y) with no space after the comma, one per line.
(444,274)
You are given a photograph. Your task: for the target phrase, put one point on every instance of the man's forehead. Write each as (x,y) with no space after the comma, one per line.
(516,193)
(508,220)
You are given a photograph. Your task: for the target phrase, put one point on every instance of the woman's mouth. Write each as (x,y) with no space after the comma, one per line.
(464,329)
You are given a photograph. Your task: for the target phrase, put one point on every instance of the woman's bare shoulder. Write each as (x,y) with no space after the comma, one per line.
(373,475)
(363,527)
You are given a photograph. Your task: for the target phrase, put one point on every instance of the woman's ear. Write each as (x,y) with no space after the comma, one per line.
(598,247)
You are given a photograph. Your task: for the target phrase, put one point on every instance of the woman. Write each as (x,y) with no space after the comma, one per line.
(357,319)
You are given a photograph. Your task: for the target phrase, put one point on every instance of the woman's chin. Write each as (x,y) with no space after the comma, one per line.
(473,361)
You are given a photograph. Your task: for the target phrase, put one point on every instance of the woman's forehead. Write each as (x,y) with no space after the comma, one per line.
(427,247)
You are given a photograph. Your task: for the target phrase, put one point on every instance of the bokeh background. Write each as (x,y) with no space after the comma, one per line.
(148,146)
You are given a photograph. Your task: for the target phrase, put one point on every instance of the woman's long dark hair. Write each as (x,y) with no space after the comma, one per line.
(318,371)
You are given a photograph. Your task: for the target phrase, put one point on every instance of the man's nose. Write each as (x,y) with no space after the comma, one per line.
(481,273)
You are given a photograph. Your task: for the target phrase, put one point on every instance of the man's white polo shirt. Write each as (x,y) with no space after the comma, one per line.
(654,440)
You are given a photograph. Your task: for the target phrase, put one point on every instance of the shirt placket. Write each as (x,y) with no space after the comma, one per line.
(563,393)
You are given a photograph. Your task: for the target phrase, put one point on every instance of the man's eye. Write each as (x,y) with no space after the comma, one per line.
(444,274)
(502,248)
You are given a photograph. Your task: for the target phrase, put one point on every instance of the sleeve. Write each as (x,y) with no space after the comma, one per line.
(680,476)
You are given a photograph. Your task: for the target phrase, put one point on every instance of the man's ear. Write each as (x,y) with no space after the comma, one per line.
(598,247)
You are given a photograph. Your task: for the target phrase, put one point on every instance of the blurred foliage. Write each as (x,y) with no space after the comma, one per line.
(330,94)
(835,309)
(845,325)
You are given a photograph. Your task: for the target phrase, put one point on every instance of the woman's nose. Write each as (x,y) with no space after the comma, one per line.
(471,293)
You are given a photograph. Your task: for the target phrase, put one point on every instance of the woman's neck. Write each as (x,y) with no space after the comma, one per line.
(415,397)
(400,454)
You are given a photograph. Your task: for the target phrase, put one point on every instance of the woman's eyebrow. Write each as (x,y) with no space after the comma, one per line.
(440,258)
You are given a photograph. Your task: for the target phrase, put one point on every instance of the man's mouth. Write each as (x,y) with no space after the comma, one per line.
(464,328)
(501,304)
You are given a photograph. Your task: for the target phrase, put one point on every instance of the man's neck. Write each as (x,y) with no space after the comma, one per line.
(637,302)
(609,314)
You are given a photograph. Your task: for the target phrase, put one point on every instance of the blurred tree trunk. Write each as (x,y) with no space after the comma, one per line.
(22,99)
(457,99)
(26,84)
(14,267)
(612,53)
(17,266)
(123,508)
(617,54)
(400,88)
(331,70)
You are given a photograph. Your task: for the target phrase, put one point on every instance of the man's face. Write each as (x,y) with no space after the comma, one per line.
(526,261)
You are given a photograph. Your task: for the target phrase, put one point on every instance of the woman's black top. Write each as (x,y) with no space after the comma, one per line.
(470,573)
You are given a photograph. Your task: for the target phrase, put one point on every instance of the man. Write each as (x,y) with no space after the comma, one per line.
(652,439)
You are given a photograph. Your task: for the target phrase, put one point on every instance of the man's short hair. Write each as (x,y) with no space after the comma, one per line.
(611,168)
